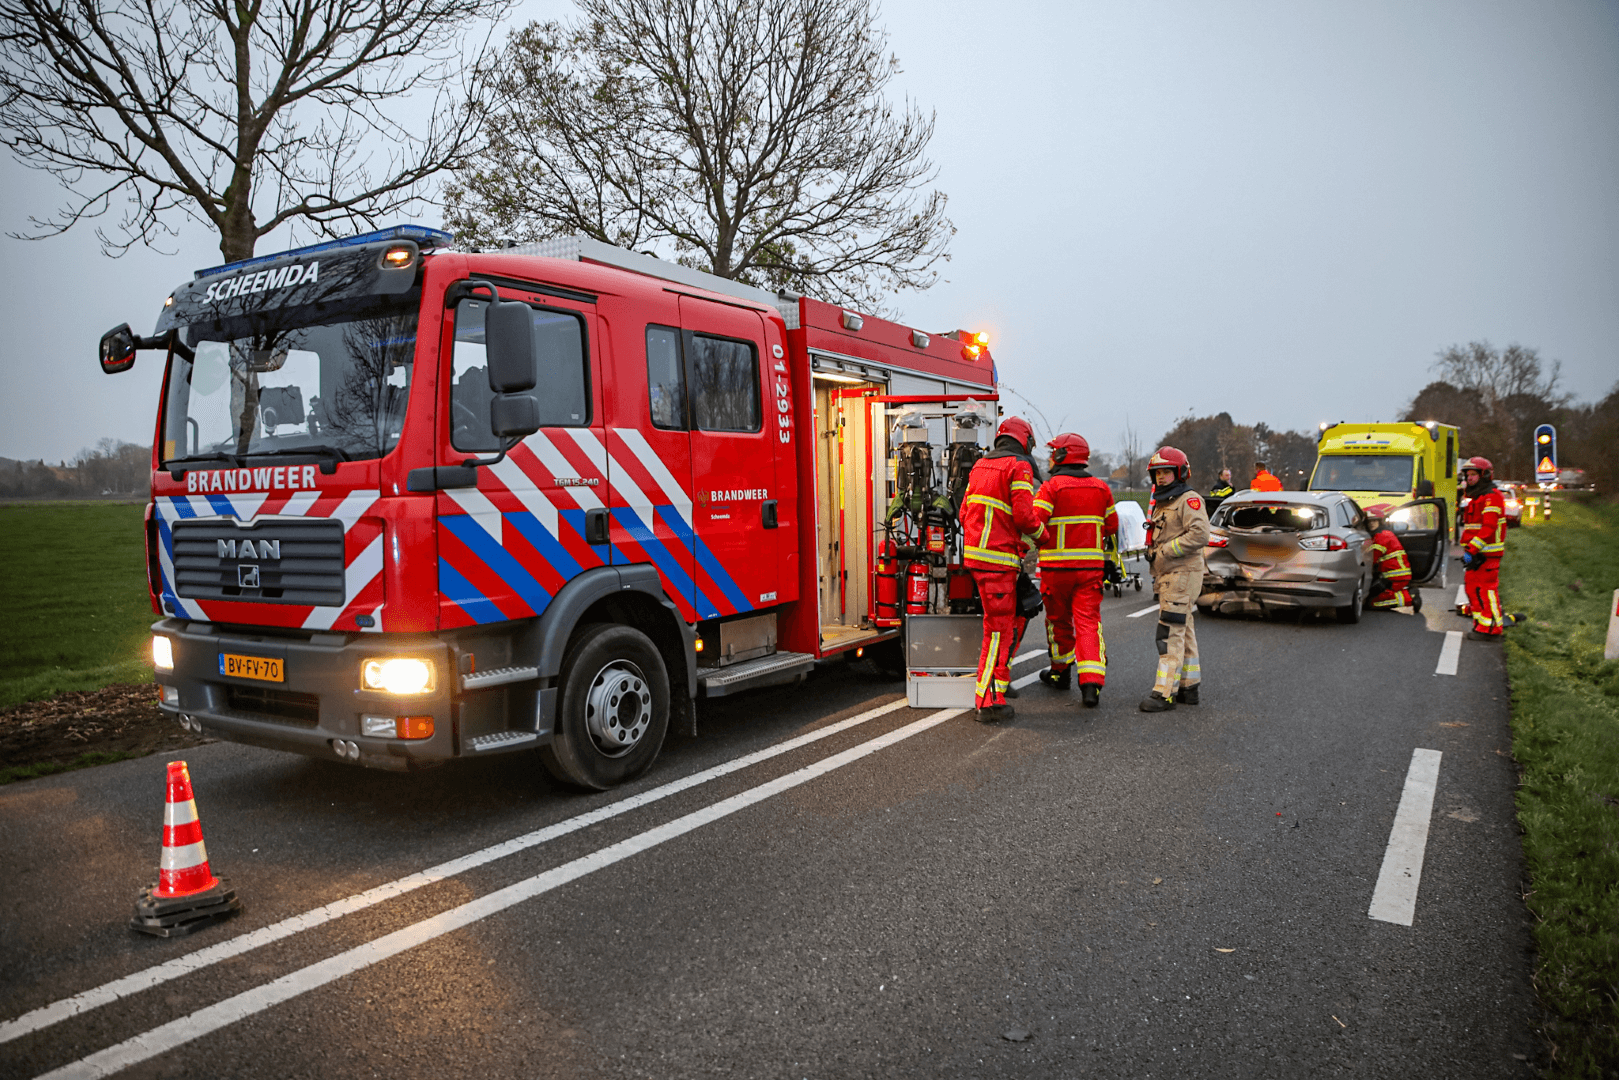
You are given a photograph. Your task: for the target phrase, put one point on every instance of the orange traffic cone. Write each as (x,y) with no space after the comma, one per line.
(187,895)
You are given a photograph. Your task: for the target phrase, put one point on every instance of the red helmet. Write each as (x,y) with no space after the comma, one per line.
(1167,457)
(1482,465)
(1069,448)
(1019,429)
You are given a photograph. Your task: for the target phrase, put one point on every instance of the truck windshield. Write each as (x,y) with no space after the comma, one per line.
(1362,472)
(295,380)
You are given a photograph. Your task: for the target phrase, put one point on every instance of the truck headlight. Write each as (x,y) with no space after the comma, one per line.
(162,653)
(398,675)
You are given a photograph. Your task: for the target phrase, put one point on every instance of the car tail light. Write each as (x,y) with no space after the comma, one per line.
(1218,541)
(1324,543)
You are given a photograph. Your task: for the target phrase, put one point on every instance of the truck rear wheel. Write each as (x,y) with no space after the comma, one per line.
(614,708)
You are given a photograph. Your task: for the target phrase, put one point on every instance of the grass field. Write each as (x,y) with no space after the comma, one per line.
(75,578)
(1565,718)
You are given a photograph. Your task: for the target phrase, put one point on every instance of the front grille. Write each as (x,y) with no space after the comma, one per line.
(297,562)
(282,706)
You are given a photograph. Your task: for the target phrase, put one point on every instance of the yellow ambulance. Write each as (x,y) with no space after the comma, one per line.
(1407,471)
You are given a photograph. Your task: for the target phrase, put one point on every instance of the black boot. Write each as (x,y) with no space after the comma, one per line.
(1187,695)
(1090,694)
(1156,703)
(1416,601)
(994,714)
(1057,680)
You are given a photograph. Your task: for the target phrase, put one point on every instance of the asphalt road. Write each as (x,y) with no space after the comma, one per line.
(1076,893)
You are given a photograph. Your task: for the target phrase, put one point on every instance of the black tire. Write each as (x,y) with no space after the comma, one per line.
(613,712)
(1349,614)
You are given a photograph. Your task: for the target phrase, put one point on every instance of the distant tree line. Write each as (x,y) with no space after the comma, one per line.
(1497,397)
(112,468)
(1218,442)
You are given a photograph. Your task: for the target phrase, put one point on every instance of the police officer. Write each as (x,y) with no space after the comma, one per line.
(1220,492)
(1391,569)
(1484,539)
(1077,511)
(998,510)
(1180,529)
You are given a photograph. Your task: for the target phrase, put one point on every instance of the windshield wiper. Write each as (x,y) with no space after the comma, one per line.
(336,453)
(179,465)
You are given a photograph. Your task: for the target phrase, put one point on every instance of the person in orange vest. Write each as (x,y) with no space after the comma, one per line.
(1484,539)
(1077,511)
(996,513)
(1391,569)
(1263,480)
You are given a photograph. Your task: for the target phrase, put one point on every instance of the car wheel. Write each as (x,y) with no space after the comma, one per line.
(1350,612)
(614,710)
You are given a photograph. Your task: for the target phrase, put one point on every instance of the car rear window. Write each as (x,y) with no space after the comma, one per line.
(1273,518)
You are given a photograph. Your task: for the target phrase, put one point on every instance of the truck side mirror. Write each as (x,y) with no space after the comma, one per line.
(117,349)
(1424,489)
(509,352)
(509,347)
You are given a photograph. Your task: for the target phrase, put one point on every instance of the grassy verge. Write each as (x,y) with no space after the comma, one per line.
(1565,719)
(74,576)
(12,773)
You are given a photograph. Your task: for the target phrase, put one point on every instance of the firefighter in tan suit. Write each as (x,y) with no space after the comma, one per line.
(1180,529)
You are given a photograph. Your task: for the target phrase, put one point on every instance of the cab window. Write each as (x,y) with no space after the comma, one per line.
(665,378)
(562,390)
(724,384)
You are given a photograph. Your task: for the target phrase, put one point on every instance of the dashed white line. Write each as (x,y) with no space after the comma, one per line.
(1449,654)
(166,1037)
(66,1008)
(1143,611)
(1395,898)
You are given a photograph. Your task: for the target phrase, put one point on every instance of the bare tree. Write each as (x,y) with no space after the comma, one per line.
(754,139)
(1510,390)
(240,113)
(1499,374)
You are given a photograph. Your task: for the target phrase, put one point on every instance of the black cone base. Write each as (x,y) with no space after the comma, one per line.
(177,916)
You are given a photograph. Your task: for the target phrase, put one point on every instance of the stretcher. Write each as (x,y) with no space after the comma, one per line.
(1132,542)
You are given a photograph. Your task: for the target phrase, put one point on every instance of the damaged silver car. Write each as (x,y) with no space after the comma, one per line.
(1308,550)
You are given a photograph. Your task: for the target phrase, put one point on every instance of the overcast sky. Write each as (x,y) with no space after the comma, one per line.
(1278,210)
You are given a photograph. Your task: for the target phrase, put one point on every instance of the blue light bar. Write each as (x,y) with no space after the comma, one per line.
(424,237)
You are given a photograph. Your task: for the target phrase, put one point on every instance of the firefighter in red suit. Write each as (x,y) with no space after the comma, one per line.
(1484,538)
(1391,568)
(996,513)
(1076,509)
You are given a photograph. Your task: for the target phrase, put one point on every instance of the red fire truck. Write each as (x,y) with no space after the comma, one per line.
(411,503)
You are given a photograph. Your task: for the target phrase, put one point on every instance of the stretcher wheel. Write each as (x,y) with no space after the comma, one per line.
(1138,584)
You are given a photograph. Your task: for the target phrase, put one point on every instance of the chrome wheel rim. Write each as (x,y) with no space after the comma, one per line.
(618,708)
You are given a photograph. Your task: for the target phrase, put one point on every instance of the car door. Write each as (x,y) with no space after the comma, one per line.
(1422,527)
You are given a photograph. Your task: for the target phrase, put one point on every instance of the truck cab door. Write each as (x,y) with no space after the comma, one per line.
(539,517)
(1423,528)
(739,512)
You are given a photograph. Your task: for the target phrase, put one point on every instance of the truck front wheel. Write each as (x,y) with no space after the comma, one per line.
(614,708)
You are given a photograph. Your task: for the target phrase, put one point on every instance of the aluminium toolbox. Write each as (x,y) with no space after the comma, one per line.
(941,660)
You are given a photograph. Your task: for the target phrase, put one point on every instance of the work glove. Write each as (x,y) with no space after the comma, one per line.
(1471,560)
(1112,572)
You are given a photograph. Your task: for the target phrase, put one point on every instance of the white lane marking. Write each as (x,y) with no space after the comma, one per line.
(1143,611)
(1449,653)
(66,1008)
(179,1032)
(1018,684)
(1029,655)
(1395,898)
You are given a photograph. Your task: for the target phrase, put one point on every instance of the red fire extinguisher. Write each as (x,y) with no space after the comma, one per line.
(886,603)
(916,588)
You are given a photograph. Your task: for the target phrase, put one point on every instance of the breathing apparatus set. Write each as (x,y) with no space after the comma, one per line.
(919,567)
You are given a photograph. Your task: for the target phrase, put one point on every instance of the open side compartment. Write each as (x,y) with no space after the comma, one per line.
(844,478)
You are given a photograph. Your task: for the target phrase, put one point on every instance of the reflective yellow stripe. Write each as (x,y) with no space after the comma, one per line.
(1078,519)
(990,501)
(988,672)
(1023,485)
(1044,505)
(1002,558)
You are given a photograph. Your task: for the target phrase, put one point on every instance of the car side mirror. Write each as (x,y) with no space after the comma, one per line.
(1424,489)
(117,349)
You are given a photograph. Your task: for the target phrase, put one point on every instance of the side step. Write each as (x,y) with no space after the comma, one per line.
(501,740)
(782,667)
(482,680)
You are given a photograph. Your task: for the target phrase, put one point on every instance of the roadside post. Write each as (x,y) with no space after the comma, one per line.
(1611,650)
